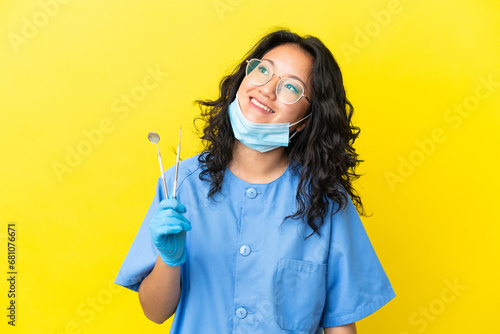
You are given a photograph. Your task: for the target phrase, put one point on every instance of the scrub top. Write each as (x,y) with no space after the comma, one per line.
(248,271)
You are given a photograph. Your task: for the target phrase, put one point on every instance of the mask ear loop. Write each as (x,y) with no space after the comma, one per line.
(295,131)
(290,138)
(300,120)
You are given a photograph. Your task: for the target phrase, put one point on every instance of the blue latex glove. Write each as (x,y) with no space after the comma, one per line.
(168,231)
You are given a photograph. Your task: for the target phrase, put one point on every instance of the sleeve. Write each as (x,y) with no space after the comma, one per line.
(357,285)
(142,255)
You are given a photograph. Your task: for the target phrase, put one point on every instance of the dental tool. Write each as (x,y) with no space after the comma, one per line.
(155,138)
(177,163)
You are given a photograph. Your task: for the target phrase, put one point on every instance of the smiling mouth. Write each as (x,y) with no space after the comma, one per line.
(260,105)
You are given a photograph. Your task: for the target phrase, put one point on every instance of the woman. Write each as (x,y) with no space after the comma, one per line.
(269,239)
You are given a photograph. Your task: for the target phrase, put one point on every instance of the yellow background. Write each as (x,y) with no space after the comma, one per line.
(431,174)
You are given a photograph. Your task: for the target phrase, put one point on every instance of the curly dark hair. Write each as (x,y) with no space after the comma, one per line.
(324,149)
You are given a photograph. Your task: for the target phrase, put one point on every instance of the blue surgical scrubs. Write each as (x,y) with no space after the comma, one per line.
(248,271)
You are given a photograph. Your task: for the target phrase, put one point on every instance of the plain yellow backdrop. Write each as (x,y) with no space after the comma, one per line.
(83,82)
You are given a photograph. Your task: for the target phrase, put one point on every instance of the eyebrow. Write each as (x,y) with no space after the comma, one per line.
(291,76)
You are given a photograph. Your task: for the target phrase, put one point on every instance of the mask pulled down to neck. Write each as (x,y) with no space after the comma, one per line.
(262,137)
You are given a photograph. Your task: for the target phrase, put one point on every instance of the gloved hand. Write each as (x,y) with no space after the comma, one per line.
(168,231)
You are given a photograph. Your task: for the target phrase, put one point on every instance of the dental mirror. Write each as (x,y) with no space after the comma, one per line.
(155,138)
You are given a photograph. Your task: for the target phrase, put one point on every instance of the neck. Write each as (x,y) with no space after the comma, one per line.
(255,167)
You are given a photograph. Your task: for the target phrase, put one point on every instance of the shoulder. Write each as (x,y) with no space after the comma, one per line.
(190,164)
(187,168)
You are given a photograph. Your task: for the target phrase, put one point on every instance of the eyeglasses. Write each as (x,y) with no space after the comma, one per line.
(288,90)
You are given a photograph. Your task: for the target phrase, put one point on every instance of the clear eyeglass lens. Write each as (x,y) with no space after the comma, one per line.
(259,73)
(289,90)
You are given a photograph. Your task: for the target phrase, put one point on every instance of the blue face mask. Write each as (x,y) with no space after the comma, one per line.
(262,137)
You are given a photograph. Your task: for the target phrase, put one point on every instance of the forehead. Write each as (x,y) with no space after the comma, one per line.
(289,59)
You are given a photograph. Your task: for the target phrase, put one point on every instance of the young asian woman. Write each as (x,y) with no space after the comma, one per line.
(264,235)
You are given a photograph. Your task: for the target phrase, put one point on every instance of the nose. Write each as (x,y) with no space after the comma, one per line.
(269,88)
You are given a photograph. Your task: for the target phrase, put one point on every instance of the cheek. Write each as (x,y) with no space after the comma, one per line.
(242,93)
(244,90)
(300,112)
(241,96)
(245,86)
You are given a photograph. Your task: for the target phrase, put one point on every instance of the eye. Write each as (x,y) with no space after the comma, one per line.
(263,70)
(291,88)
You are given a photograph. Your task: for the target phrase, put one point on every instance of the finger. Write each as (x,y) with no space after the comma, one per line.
(167,215)
(176,219)
(168,229)
(172,203)
(185,224)
(179,220)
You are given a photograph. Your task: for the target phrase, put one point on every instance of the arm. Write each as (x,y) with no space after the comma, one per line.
(346,329)
(160,292)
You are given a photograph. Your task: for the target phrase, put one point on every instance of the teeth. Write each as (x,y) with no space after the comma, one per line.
(254,101)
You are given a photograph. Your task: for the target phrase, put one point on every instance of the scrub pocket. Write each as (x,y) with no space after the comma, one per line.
(300,294)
